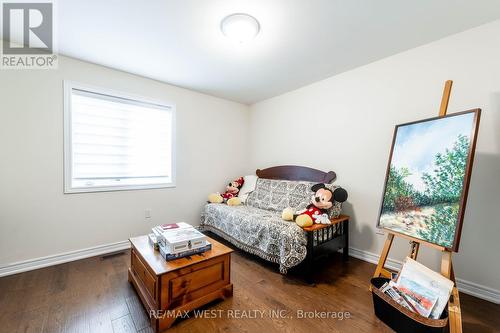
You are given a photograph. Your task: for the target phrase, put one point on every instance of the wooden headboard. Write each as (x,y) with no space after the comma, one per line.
(295,172)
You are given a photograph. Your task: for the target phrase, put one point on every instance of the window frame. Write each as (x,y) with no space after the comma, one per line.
(68,88)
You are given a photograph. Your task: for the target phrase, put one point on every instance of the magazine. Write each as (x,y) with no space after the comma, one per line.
(393,292)
(428,289)
(420,297)
(396,296)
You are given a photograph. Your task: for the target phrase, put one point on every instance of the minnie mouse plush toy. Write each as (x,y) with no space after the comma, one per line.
(317,210)
(231,194)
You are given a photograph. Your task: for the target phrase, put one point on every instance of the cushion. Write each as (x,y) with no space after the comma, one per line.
(336,209)
(248,187)
(276,195)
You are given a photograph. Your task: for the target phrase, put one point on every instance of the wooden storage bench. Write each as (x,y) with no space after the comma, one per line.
(168,288)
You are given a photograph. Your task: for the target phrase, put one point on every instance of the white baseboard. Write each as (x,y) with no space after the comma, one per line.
(479,291)
(467,287)
(28,265)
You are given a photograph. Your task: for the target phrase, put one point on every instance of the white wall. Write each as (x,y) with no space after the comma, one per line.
(345,123)
(37,219)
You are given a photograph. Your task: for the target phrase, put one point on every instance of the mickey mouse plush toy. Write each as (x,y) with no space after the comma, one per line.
(317,210)
(231,195)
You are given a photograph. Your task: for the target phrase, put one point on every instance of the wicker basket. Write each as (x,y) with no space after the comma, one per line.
(401,319)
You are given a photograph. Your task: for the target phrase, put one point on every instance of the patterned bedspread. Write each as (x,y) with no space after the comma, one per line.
(257,231)
(257,227)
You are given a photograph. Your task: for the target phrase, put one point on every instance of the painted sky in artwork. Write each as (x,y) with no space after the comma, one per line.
(417,144)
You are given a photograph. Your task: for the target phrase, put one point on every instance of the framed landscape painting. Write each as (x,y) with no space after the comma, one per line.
(428,177)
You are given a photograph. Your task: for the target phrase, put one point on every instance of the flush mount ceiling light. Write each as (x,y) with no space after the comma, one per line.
(240,27)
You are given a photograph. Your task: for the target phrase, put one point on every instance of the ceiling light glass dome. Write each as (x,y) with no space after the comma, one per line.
(240,27)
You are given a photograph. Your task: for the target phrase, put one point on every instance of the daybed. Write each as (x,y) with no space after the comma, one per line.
(257,226)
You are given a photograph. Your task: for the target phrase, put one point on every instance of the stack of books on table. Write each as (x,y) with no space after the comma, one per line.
(178,240)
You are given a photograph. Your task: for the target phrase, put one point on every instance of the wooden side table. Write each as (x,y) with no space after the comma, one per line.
(168,288)
(335,236)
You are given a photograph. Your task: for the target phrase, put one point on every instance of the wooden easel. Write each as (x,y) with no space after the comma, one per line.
(454,314)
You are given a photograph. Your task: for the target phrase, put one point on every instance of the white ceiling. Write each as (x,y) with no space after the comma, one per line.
(301,41)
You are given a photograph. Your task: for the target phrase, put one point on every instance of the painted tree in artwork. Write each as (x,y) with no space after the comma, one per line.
(396,188)
(445,184)
(445,187)
(441,225)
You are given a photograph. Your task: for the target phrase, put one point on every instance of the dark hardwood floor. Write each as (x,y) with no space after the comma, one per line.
(93,295)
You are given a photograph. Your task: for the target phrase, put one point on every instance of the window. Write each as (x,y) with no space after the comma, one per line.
(116,142)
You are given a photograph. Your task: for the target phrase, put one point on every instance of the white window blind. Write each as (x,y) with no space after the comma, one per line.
(116,142)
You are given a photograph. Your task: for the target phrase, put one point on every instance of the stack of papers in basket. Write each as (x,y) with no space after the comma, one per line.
(420,289)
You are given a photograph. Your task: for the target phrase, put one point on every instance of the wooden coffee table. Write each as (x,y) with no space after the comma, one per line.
(169,288)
